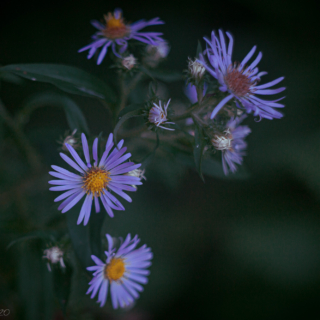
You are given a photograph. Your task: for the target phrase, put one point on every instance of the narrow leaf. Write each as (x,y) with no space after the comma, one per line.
(69,79)
(199,49)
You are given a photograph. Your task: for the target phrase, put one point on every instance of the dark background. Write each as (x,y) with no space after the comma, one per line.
(226,249)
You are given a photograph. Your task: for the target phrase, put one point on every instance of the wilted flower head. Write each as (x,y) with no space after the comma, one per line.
(231,143)
(239,80)
(129,62)
(156,53)
(158,115)
(123,271)
(196,69)
(54,255)
(115,32)
(95,181)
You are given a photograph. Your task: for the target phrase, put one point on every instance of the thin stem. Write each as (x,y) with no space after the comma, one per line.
(125,91)
(31,154)
(195,108)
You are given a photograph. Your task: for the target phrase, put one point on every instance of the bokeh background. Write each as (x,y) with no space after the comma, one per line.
(223,249)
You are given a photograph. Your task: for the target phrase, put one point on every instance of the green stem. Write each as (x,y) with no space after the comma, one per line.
(31,154)
(195,108)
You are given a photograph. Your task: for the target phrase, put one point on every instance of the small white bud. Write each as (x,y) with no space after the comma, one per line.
(129,62)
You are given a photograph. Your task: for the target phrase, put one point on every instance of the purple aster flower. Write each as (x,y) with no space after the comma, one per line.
(158,115)
(97,181)
(239,80)
(123,270)
(231,143)
(116,32)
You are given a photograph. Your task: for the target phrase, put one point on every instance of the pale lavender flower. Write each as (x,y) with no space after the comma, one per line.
(158,115)
(231,143)
(239,80)
(115,32)
(123,272)
(105,177)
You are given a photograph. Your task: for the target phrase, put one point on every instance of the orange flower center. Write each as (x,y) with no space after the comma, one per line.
(115,27)
(237,82)
(96,180)
(115,269)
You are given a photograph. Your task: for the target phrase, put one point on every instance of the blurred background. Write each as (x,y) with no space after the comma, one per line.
(223,249)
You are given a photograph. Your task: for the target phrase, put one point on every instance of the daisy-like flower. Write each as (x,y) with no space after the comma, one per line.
(158,115)
(54,255)
(116,32)
(239,80)
(97,181)
(231,143)
(123,271)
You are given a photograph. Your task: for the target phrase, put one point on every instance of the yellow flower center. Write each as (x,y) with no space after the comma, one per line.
(115,27)
(96,180)
(115,269)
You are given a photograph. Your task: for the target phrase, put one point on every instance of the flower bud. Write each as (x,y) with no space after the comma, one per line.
(196,69)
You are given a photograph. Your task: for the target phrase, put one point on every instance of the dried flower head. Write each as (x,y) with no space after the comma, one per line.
(54,255)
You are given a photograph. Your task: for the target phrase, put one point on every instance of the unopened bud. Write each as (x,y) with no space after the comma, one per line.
(196,69)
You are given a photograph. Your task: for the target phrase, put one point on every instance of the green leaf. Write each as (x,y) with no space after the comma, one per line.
(75,117)
(10,77)
(95,225)
(62,285)
(125,114)
(149,157)
(32,235)
(69,79)
(80,236)
(199,144)
(199,49)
